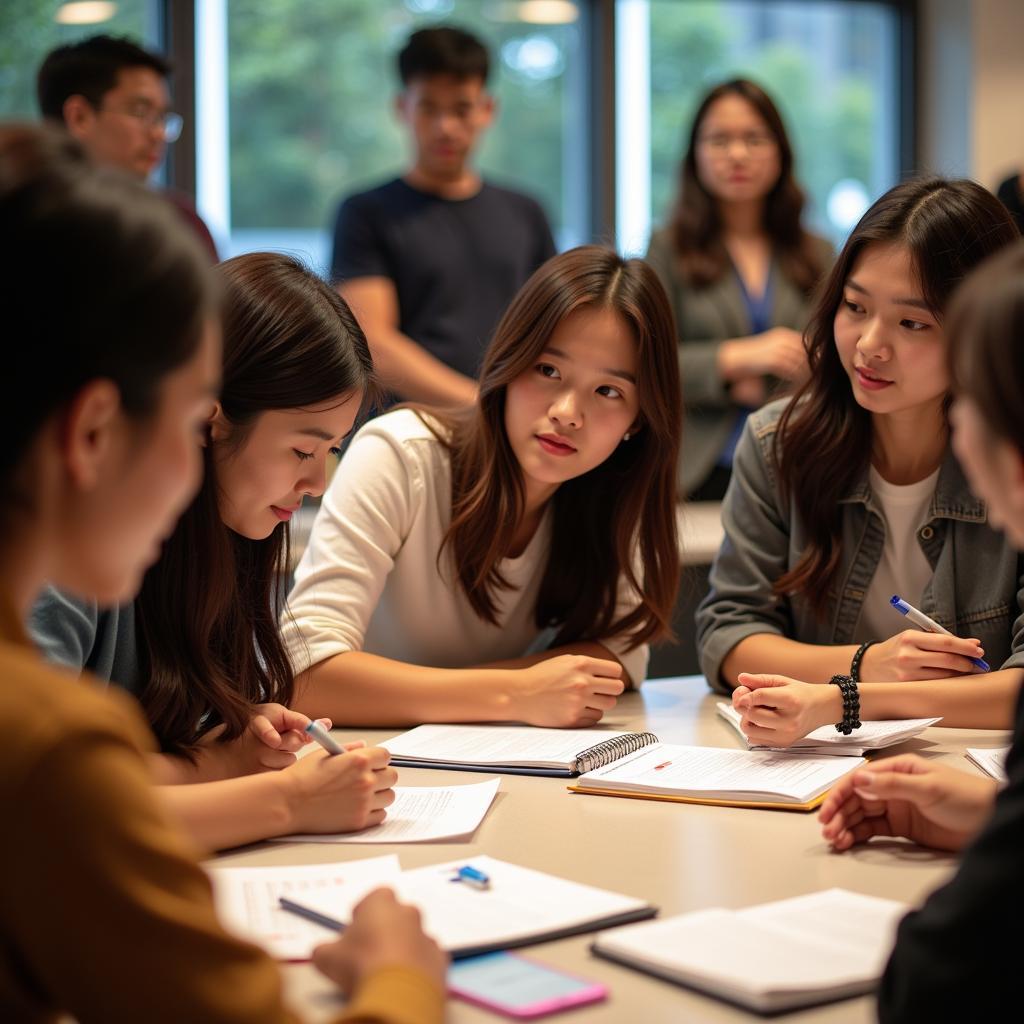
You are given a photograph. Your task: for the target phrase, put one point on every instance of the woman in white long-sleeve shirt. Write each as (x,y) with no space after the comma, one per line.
(510,561)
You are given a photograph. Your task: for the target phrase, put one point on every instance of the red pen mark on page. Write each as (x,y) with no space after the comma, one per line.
(664,764)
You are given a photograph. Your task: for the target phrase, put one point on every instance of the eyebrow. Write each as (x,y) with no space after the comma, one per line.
(323,435)
(916,303)
(621,374)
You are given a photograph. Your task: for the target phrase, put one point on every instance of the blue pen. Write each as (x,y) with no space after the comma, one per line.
(918,618)
(472,877)
(324,738)
(311,915)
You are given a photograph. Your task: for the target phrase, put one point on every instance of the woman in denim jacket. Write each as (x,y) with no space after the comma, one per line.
(849,493)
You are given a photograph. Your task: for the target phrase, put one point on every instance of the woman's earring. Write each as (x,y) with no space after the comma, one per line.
(625,436)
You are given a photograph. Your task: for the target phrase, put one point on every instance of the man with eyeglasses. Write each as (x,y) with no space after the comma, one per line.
(112,96)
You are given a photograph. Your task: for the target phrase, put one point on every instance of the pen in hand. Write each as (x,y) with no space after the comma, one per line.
(324,738)
(929,625)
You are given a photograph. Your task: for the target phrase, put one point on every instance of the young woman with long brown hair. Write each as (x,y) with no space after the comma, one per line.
(512,561)
(199,647)
(109,388)
(849,494)
(738,265)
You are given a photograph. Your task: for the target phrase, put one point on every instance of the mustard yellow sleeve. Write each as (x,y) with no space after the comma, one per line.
(109,912)
(396,995)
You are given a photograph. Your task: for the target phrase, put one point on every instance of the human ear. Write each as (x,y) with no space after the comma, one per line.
(79,116)
(488,109)
(217,426)
(89,431)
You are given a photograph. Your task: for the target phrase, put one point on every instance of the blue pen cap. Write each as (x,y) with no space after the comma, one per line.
(899,604)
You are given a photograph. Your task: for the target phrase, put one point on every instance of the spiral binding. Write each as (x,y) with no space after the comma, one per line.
(604,753)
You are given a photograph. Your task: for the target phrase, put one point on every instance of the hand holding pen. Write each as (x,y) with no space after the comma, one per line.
(929,652)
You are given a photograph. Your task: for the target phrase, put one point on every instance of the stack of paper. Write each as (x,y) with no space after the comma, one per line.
(776,956)
(826,740)
(520,906)
(248,899)
(991,760)
(421,814)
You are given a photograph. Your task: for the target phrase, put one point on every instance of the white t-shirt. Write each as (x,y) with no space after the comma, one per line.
(370,579)
(903,568)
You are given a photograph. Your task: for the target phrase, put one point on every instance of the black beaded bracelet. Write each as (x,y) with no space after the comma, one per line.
(851,704)
(857,659)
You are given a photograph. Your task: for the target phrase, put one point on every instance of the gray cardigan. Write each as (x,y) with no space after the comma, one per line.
(705,317)
(977,588)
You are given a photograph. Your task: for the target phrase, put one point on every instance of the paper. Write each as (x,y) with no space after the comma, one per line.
(521,904)
(246,899)
(716,773)
(991,760)
(872,735)
(772,956)
(421,814)
(496,745)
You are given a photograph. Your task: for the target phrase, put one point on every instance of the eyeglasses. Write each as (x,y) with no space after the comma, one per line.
(752,142)
(168,122)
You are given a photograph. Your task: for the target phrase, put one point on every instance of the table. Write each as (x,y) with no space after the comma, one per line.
(680,857)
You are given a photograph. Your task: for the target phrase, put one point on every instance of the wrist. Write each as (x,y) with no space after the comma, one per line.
(282,798)
(830,706)
(505,693)
(727,361)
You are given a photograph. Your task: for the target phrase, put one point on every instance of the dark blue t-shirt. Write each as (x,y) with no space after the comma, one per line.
(456,264)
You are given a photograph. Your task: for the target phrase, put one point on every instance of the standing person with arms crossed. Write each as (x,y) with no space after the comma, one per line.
(98,462)
(738,265)
(429,261)
(199,646)
(849,493)
(512,560)
(111,95)
(957,954)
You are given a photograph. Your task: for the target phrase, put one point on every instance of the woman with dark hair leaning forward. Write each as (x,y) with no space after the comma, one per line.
(200,645)
(509,562)
(108,916)
(850,493)
(739,266)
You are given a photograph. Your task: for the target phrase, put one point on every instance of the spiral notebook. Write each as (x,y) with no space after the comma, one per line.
(513,749)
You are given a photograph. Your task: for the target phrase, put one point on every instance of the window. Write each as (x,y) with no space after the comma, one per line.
(831,68)
(29,29)
(295,109)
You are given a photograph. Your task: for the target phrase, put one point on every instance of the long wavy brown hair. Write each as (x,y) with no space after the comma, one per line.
(209,646)
(824,437)
(695,223)
(602,517)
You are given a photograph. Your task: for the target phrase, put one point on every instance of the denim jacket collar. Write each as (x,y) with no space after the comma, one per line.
(952,498)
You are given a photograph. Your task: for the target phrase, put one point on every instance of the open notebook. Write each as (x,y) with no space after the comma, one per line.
(712,775)
(514,749)
(826,740)
(520,907)
(777,956)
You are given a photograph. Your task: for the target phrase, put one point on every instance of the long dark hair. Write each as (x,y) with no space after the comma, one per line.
(824,437)
(128,307)
(695,224)
(208,610)
(599,517)
(986,329)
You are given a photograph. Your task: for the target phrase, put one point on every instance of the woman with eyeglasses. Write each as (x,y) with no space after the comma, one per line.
(738,266)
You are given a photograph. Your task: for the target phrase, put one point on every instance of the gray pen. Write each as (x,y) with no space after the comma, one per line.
(324,738)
